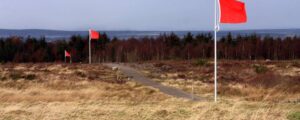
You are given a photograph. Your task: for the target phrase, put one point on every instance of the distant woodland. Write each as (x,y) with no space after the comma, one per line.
(163,47)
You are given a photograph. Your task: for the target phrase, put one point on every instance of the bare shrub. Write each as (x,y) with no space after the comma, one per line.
(201,62)
(93,76)
(161,113)
(296,64)
(15,75)
(2,78)
(80,74)
(30,77)
(182,76)
(281,83)
(292,85)
(158,64)
(266,80)
(20,75)
(260,69)
(229,91)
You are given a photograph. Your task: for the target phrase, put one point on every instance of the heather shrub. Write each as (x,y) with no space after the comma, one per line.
(296,64)
(19,75)
(29,77)
(15,75)
(260,69)
(201,62)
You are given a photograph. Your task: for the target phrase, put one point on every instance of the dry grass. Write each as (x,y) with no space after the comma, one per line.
(78,91)
(169,109)
(65,83)
(247,80)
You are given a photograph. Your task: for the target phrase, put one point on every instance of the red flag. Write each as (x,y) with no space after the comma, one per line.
(233,11)
(94,35)
(67,54)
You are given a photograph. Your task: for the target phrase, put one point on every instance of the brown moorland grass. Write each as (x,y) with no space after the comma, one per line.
(81,91)
(251,80)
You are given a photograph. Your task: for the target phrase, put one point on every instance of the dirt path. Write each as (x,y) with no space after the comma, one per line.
(138,77)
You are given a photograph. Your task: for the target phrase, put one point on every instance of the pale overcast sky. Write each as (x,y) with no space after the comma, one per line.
(140,14)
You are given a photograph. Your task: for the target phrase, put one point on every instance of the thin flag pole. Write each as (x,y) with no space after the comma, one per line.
(65,57)
(215,50)
(90,51)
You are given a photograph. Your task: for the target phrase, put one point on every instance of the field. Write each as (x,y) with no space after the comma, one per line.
(248,90)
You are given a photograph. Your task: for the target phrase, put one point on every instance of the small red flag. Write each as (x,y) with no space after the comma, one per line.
(67,54)
(94,35)
(232,11)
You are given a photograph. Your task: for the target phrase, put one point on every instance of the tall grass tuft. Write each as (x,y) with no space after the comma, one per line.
(201,62)
(260,69)
(19,75)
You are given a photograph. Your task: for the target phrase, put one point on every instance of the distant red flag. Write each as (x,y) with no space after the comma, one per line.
(67,54)
(233,11)
(94,35)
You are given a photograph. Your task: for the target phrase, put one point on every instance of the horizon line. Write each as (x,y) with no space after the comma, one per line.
(65,30)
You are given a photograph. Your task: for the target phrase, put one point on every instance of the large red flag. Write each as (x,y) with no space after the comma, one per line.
(232,11)
(67,54)
(94,35)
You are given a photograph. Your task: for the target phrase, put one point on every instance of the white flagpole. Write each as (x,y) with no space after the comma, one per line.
(70,59)
(90,57)
(65,57)
(215,50)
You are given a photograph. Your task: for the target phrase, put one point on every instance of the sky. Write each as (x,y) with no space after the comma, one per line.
(148,15)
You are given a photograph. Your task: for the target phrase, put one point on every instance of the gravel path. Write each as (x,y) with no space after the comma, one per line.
(138,77)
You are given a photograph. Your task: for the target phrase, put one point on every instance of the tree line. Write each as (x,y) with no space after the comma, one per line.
(163,47)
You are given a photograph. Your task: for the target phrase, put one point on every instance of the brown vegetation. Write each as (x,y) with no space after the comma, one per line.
(81,91)
(276,81)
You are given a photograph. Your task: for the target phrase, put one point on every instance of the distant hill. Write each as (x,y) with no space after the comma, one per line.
(60,34)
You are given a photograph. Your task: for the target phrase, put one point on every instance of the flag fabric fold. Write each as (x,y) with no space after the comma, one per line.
(67,54)
(94,35)
(232,12)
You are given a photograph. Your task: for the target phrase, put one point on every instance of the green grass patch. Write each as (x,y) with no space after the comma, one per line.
(294,116)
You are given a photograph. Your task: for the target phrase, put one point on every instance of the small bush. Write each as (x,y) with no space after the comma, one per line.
(93,76)
(18,75)
(201,62)
(150,91)
(29,77)
(80,74)
(267,80)
(294,116)
(260,69)
(2,78)
(182,76)
(161,113)
(15,76)
(159,64)
(296,64)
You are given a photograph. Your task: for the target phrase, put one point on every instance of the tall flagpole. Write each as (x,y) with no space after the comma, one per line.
(70,59)
(65,57)
(90,57)
(215,50)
